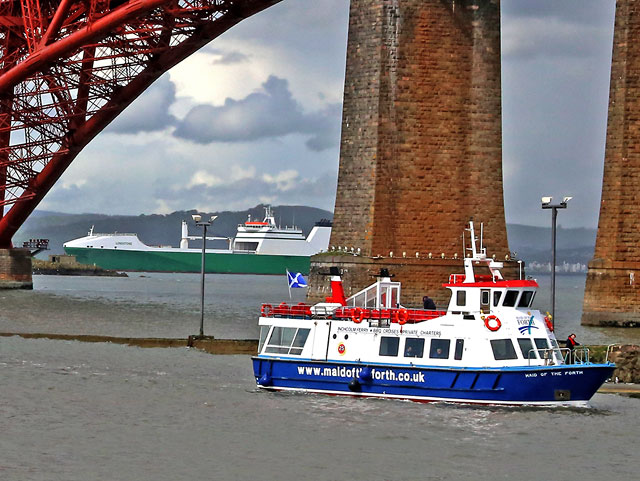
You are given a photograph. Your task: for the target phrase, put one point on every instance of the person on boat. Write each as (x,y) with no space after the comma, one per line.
(571,344)
(428,304)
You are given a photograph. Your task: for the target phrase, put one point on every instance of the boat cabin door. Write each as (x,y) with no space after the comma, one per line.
(484,301)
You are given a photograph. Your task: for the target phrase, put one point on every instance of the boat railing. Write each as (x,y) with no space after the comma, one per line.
(385,316)
(294,311)
(376,317)
(560,355)
(610,349)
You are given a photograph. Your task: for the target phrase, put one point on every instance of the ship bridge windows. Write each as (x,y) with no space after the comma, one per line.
(461,298)
(510,298)
(496,298)
(503,349)
(526,299)
(287,340)
(439,349)
(541,344)
(245,246)
(389,346)
(526,347)
(414,347)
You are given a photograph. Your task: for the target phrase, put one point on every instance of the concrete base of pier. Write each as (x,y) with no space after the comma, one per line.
(207,344)
(15,269)
(612,294)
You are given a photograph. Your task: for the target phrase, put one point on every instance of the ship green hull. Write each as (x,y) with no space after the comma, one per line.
(166,261)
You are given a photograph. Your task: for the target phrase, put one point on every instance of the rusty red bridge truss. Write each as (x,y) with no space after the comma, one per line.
(69,67)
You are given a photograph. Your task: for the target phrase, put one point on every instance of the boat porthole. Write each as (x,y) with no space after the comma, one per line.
(346,336)
(335,336)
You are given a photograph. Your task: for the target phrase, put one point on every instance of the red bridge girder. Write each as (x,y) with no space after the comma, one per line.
(69,67)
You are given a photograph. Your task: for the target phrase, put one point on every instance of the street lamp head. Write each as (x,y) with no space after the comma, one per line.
(196,217)
(214,217)
(566,199)
(546,200)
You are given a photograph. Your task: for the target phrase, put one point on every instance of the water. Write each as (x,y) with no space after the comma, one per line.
(78,411)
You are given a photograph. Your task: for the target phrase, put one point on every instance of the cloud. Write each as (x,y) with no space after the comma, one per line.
(571,29)
(149,112)
(271,112)
(237,191)
(229,58)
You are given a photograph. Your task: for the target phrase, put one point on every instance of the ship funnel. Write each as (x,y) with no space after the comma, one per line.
(337,292)
(184,241)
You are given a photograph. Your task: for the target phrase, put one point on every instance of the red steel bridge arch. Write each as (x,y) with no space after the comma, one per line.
(70,67)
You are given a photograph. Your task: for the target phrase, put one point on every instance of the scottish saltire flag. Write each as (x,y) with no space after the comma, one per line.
(296,280)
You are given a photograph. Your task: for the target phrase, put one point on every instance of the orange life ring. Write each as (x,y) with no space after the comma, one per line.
(403,316)
(497,326)
(358,315)
(266,310)
(548,322)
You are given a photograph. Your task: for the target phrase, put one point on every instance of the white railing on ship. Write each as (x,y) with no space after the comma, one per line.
(579,355)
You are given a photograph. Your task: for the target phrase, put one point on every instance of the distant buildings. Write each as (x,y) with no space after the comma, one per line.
(564,268)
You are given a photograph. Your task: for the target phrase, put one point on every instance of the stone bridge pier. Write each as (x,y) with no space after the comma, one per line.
(612,293)
(421,146)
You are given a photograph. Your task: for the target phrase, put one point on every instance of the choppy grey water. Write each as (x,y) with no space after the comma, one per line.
(75,411)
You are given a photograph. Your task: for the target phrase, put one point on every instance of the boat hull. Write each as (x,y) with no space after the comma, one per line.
(180,261)
(535,385)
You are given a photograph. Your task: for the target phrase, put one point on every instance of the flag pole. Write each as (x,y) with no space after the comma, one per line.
(289,284)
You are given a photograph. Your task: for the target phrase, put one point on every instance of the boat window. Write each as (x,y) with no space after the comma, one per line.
(541,343)
(525,300)
(510,298)
(414,347)
(461,298)
(389,346)
(503,349)
(496,298)
(299,341)
(526,347)
(484,298)
(246,246)
(287,340)
(264,330)
(459,349)
(439,349)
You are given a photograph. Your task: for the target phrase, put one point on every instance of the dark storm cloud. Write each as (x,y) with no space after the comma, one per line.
(584,12)
(556,69)
(150,111)
(551,28)
(271,112)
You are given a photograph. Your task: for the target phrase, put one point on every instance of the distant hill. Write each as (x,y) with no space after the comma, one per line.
(532,244)
(155,229)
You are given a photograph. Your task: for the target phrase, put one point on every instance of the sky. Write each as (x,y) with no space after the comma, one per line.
(254,117)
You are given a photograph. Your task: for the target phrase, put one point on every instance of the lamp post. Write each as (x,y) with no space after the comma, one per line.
(546,204)
(204,224)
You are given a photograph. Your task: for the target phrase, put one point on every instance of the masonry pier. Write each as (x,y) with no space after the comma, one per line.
(15,269)
(421,146)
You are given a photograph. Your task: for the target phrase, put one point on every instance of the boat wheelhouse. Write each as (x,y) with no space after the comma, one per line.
(488,346)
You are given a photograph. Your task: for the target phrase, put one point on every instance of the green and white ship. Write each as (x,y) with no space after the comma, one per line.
(258,248)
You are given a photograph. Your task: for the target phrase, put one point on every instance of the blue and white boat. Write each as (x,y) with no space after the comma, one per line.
(488,347)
